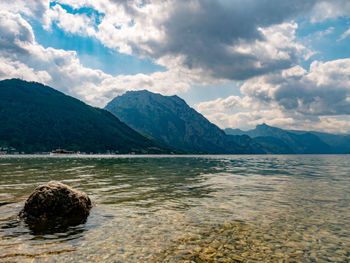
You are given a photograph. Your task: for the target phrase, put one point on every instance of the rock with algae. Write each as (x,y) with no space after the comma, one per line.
(56,202)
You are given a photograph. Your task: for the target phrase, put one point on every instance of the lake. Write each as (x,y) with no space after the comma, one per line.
(223,208)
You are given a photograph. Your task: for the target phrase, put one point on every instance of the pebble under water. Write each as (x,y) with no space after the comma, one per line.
(240,208)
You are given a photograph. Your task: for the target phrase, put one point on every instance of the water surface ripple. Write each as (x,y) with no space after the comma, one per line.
(251,208)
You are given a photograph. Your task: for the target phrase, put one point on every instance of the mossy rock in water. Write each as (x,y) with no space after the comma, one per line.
(55,204)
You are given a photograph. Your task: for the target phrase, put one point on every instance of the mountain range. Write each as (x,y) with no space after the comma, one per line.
(276,140)
(170,120)
(37,118)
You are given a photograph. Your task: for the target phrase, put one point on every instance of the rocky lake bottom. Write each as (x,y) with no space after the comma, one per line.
(223,208)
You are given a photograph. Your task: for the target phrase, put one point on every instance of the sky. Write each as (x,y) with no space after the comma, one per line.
(240,63)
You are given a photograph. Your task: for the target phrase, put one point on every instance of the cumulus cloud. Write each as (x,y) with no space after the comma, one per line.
(249,119)
(72,23)
(292,98)
(232,40)
(226,40)
(16,69)
(328,9)
(323,90)
(35,8)
(213,40)
(199,43)
(21,56)
(16,33)
(246,120)
(229,104)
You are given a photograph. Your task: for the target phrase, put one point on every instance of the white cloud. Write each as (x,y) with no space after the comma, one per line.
(127,26)
(233,41)
(62,69)
(130,28)
(16,69)
(16,33)
(344,35)
(328,9)
(200,43)
(71,23)
(323,90)
(292,98)
(33,8)
(229,104)
(203,41)
(204,37)
(247,120)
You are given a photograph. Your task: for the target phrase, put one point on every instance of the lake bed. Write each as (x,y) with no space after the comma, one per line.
(220,208)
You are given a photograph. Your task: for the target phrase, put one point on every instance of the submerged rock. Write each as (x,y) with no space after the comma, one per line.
(56,203)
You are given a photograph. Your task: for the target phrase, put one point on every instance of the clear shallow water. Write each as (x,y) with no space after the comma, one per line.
(293,208)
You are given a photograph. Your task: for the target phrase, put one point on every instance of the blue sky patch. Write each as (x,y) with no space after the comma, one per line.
(325,39)
(93,54)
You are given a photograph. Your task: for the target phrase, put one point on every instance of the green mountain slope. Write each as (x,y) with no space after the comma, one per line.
(171,120)
(37,118)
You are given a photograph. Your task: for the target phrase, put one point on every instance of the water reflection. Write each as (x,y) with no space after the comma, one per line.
(204,209)
(68,227)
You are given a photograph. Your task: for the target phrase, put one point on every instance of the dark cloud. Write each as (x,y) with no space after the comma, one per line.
(207,34)
(15,32)
(324,90)
(202,30)
(308,99)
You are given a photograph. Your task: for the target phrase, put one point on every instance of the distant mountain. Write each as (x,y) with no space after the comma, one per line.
(340,143)
(274,145)
(37,118)
(276,140)
(230,131)
(171,120)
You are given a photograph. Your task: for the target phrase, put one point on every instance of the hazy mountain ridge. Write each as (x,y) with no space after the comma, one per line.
(340,143)
(37,118)
(297,141)
(171,120)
